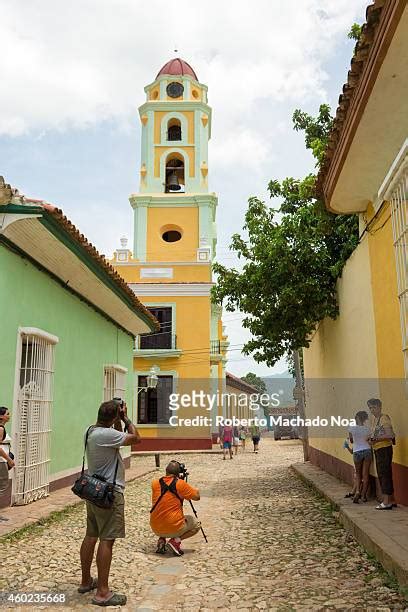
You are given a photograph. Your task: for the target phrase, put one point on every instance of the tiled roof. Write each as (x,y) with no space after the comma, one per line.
(56,213)
(238,383)
(358,62)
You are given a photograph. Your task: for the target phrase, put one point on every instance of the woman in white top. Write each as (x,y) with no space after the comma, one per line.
(6,461)
(359,435)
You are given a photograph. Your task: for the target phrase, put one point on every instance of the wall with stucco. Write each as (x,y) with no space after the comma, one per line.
(87,342)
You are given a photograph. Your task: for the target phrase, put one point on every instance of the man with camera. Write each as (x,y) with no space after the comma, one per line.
(167,518)
(106,524)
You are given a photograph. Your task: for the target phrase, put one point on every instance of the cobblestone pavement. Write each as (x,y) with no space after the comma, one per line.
(273,545)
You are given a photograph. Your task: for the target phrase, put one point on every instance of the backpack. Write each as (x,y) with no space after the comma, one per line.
(164,487)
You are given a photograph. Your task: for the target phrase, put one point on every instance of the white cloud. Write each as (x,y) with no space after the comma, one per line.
(74,64)
(82,61)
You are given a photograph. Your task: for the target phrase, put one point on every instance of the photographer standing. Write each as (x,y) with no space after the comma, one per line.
(167,519)
(104,460)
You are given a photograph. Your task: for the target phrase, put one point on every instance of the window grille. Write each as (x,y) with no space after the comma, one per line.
(399,215)
(114,382)
(33,417)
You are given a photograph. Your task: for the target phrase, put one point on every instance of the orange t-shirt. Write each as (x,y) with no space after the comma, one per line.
(168,515)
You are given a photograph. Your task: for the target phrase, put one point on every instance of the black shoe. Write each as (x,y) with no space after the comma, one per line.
(161,546)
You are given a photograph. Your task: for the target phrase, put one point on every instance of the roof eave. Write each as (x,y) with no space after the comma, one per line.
(382,20)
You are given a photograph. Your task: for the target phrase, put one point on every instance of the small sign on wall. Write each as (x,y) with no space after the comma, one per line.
(156,273)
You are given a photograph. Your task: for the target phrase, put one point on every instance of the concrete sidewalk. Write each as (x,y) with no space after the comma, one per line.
(382,533)
(23,516)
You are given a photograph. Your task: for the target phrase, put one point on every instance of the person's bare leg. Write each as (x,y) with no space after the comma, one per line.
(86,554)
(358,467)
(365,477)
(103,562)
(231,450)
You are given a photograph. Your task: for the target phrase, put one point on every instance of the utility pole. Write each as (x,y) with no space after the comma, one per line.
(299,395)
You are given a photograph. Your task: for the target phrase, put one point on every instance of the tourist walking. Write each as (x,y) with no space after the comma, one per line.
(235,439)
(226,439)
(242,436)
(256,436)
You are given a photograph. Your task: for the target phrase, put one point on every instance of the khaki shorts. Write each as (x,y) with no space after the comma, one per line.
(191,524)
(106,524)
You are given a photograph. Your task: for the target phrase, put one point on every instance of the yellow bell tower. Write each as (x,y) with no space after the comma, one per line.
(175,239)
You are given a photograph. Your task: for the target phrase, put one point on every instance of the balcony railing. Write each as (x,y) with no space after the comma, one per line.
(162,340)
(215,347)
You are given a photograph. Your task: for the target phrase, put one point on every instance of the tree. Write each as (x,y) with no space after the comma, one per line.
(293,256)
(255,381)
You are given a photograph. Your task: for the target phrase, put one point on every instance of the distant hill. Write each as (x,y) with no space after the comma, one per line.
(283,384)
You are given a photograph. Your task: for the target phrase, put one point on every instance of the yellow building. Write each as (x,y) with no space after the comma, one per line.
(364,352)
(170,268)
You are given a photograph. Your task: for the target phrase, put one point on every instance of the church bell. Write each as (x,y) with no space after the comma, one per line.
(173,183)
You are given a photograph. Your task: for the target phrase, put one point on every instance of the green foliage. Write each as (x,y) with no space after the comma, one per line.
(355,32)
(255,381)
(293,257)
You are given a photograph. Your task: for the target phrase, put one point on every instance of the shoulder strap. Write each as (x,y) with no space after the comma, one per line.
(83,458)
(164,487)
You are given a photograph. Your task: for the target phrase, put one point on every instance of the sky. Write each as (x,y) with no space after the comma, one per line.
(72,76)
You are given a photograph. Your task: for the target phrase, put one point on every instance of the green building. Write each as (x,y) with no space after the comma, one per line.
(66,341)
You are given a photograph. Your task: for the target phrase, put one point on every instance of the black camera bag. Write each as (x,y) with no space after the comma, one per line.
(95,489)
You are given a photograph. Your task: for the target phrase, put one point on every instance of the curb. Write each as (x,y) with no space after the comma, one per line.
(395,562)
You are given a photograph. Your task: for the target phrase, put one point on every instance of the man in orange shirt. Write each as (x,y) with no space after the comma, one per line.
(167,519)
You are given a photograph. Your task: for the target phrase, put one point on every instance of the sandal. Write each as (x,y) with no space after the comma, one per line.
(115,600)
(348,495)
(356,499)
(89,588)
(383,506)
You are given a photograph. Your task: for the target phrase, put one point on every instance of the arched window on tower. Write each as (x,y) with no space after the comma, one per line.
(174,129)
(175,180)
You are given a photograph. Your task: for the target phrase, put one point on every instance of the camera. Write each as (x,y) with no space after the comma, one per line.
(183,473)
(120,401)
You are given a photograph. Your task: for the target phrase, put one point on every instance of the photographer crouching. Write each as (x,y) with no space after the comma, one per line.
(102,443)
(167,518)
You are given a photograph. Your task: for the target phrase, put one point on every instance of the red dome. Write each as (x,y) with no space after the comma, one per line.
(177,67)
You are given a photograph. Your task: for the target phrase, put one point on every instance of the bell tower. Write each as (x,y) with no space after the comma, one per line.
(176,128)
(175,238)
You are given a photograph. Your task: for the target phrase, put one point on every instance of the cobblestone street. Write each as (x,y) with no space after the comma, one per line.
(272,545)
